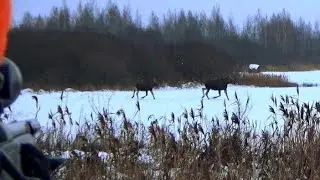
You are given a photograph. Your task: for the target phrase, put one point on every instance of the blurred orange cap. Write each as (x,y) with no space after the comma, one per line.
(5,18)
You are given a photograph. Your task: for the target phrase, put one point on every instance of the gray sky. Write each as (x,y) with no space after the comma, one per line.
(239,9)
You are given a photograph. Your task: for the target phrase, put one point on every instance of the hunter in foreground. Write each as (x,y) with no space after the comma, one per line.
(20,159)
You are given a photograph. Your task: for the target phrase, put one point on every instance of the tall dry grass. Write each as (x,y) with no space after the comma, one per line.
(229,148)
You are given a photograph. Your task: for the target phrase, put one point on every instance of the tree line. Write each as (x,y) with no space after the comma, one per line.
(110,46)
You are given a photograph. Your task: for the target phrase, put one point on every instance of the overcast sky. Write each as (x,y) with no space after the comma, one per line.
(239,9)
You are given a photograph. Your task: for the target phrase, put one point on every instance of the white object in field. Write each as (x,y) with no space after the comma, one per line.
(254,66)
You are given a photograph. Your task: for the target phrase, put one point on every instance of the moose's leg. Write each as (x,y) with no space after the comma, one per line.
(219,94)
(203,91)
(207,93)
(145,95)
(152,94)
(225,91)
(138,94)
(134,91)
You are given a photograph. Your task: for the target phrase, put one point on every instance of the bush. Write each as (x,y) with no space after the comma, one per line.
(265,80)
(291,67)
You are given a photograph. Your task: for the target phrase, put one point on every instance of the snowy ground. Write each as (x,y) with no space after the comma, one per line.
(168,100)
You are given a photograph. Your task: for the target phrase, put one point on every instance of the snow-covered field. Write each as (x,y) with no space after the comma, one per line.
(168,100)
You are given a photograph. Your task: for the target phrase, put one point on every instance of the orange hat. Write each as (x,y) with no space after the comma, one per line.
(5,20)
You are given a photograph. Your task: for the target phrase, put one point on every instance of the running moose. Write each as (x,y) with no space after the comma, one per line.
(144,86)
(218,84)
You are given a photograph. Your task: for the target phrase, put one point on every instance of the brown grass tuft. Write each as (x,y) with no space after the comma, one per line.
(291,67)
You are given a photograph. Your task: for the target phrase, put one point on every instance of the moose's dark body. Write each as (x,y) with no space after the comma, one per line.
(219,84)
(144,86)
